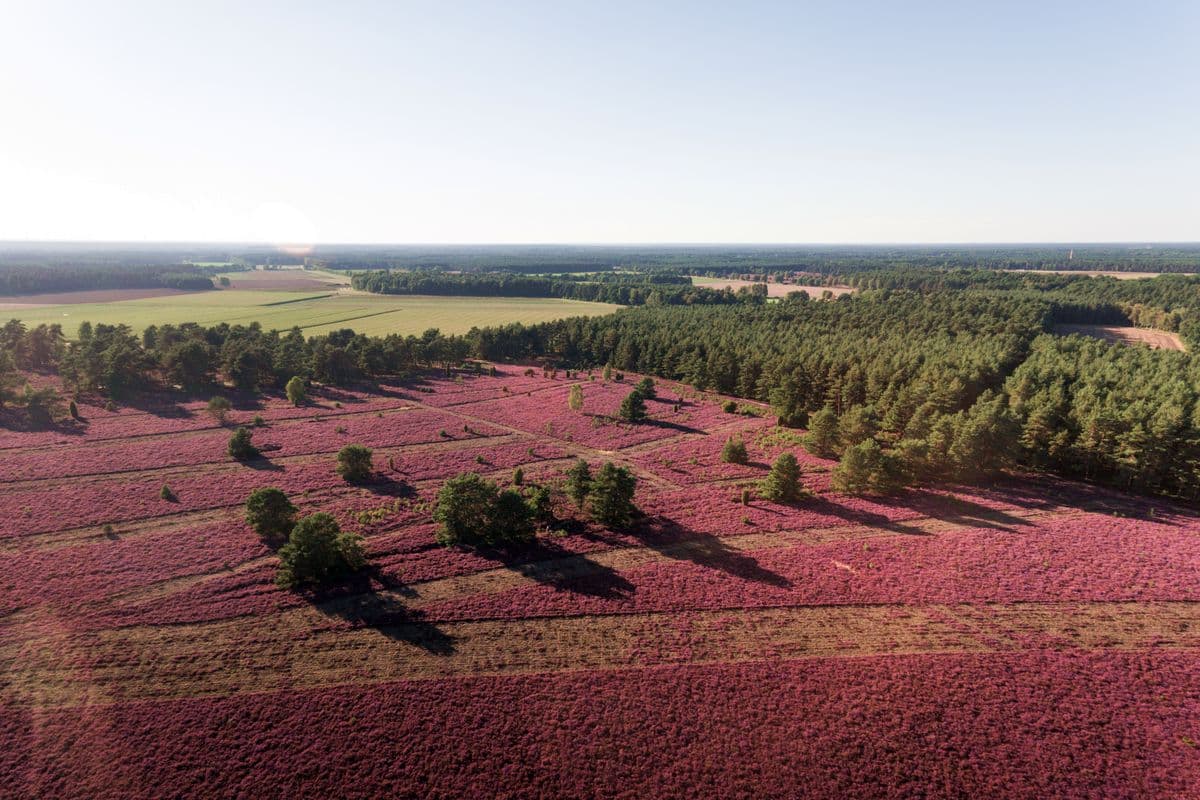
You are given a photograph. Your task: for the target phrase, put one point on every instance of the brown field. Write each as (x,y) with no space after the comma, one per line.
(1159,340)
(773,289)
(292,280)
(13,302)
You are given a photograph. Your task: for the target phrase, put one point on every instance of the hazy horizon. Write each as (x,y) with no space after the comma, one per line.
(623,124)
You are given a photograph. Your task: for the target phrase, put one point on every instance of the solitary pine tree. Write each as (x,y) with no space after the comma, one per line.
(782,483)
(633,407)
(575,398)
(611,497)
(734,451)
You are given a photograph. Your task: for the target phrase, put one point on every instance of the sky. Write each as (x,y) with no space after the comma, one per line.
(600,122)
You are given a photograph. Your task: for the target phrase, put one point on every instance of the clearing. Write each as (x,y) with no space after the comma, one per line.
(773,289)
(1124,334)
(1044,626)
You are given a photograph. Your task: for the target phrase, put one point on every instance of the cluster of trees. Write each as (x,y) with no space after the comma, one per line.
(622,289)
(112,360)
(1128,416)
(472,510)
(315,552)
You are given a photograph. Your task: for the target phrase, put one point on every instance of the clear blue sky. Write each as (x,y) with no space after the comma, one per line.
(600,121)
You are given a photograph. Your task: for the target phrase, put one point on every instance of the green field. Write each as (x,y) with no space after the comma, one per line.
(314,311)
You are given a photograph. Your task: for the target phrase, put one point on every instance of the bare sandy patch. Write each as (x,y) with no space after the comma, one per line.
(1121,334)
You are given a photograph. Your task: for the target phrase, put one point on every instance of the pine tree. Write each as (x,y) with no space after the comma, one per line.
(575,398)
(633,407)
(579,482)
(611,496)
(734,451)
(864,469)
(782,483)
(822,437)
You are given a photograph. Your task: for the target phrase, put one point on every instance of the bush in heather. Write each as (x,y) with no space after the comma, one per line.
(270,513)
(518,477)
(822,437)
(782,483)
(646,387)
(633,407)
(296,391)
(73,410)
(240,445)
(354,463)
(165,493)
(611,497)
(575,398)
(579,482)
(318,552)
(219,408)
(734,451)
(729,407)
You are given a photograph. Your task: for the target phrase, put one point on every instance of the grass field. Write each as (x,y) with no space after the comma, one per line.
(315,312)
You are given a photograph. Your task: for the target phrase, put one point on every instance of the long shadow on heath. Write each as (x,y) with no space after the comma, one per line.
(362,602)
(549,564)
(670,539)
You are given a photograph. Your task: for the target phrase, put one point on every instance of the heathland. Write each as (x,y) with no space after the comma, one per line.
(976,640)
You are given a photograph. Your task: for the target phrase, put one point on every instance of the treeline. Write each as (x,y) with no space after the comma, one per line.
(1167,302)
(41,279)
(627,290)
(950,385)
(725,260)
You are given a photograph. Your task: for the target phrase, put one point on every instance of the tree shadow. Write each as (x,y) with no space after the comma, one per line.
(367,600)
(550,564)
(856,516)
(261,463)
(959,511)
(668,538)
(387,486)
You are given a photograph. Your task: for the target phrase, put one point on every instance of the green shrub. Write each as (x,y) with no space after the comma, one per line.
(270,513)
(240,446)
(579,482)
(472,510)
(782,483)
(611,496)
(165,493)
(354,463)
(318,552)
(730,407)
(219,408)
(734,451)
(633,407)
(297,393)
